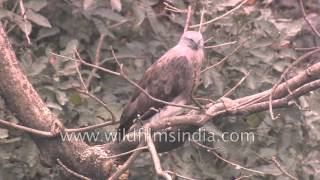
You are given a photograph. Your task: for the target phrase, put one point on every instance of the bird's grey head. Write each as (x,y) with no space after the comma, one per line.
(192,39)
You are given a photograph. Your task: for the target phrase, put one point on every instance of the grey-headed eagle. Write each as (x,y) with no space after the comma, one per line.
(172,78)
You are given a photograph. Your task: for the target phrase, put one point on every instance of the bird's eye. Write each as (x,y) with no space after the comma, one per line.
(193,45)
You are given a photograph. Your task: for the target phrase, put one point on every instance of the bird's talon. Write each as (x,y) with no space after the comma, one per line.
(56,127)
(155,109)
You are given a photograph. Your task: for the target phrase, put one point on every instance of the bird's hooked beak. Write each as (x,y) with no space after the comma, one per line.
(200,44)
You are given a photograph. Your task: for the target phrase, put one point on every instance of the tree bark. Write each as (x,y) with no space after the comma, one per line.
(24,102)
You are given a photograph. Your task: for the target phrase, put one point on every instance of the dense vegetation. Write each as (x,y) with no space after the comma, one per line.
(275,35)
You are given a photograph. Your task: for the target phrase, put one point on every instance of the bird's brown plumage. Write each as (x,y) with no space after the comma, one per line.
(171,78)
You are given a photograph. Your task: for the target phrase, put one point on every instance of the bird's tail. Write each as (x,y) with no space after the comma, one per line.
(122,131)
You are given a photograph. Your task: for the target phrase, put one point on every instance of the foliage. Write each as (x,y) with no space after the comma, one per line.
(140,31)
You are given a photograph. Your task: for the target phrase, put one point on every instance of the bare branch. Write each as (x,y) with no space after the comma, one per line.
(220,45)
(88,128)
(71,171)
(236,86)
(274,159)
(174,9)
(96,60)
(283,76)
(237,166)
(302,83)
(88,64)
(188,19)
(222,16)
(127,164)
(24,17)
(306,49)
(223,59)
(124,76)
(26,129)
(180,176)
(79,73)
(113,117)
(316,32)
(129,152)
(201,19)
(155,157)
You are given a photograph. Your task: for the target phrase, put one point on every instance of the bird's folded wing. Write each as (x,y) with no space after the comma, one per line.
(166,79)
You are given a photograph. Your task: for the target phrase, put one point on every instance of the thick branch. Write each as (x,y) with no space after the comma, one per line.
(301,84)
(23,101)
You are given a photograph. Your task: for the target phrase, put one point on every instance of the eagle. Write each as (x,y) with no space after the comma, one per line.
(171,78)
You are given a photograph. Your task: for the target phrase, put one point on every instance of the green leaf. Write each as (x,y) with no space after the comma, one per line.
(25,26)
(45,32)
(4,133)
(269,28)
(75,98)
(102,28)
(139,14)
(70,48)
(109,14)
(38,18)
(5,13)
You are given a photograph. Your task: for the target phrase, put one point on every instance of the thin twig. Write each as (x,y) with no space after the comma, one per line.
(284,74)
(237,85)
(113,117)
(118,24)
(173,9)
(124,76)
(49,134)
(274,159)
(128,152)
(223,59)
(24,17)
(306,49)
(244,176)
(87,64)
(86,92)
(201,19)
(154,156)
(26,129)
(237,166)
(97,59)
(119,57)
(88,128)
(257,99)
(220,45)
(205,99)
(209,39)
(71,171)
(186,26)
(220,17)
(307,20)
(127,164)
(180,176)
(79,73)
